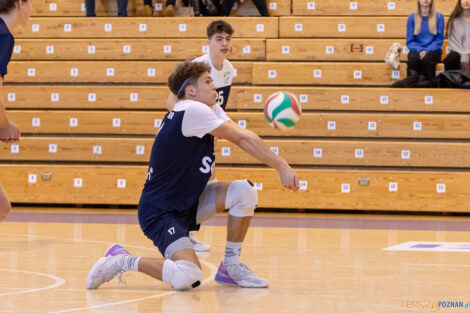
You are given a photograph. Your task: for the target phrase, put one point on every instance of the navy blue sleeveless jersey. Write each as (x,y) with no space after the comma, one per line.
(180,166)
(222,79)
(7,42)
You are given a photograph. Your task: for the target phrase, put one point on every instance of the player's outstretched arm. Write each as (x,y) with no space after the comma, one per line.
(254,146)
(9,132)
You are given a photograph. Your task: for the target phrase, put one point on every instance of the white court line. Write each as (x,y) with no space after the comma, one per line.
(211,266)
(58,282)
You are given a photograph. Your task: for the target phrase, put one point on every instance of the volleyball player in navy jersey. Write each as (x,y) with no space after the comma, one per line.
(12,14)
(176,197)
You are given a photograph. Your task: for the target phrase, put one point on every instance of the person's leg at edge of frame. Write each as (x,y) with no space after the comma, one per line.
(90,7)
(122,8)
(452,61)
(261,6)
(5,205)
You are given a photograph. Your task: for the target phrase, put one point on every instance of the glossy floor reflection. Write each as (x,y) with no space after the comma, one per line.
(311,269)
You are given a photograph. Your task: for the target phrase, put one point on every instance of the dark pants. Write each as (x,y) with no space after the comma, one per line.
(260,5)
(90,7)
(426,66)
(452,61)
(148,2)
(173,2)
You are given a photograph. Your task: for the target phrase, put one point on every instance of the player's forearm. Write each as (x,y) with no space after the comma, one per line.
(255,147)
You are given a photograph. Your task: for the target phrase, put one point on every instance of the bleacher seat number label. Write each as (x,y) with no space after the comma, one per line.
(150,72)
(257,98)
(116,122)
(17,49)
(345,99)
(91,49)
(36,122)
(226,151)
(97,149)
(83,7)
(67,28)
(11,97)
(357,74)
(353,5)
(285,49)
(78,182)
(273,6)
(330,49)
(92,97)
(380,28)
(260,28)
(126,49)
(310,5)
(317,73)
(317,153)
(31,72)
(303,98)
(272,74)
(259,186)
(341,28)
(15,149)
(345,188)
(405,154)
(391,5)
(448,50)
(246,50)
(372,126)
(32,178)
(298,27)
(275,150)
(134,97)
(52,148)
(359,153)
(35,28)
(242,123)
(54,97)
(395,74)
(74,72)
(406,50)
(302,184)
(331,125)
(142,27)
(158,6)
(50,49)
(393,187)
(205,49)
(383,99)
(110,71)
(182,27)
(73,122)
(157,123)
(369,50)
(121,183)
(235,73)
(428,100)
(52,7)
(108,28)
(417,126)
(167,49)
(140,150)
(441,188)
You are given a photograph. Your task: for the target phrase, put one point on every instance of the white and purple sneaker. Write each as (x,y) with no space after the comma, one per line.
(239,275)
(116,249)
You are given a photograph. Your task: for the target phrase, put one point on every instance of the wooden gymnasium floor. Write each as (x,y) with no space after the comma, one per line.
(315,263)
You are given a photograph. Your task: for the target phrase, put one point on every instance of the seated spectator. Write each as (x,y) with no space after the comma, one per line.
(90,7)
(458,32)
(424,38)
(227,6)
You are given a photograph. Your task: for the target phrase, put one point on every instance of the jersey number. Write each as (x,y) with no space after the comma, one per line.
(220,97)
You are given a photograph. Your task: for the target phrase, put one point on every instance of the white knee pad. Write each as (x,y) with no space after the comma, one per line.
(242,198)
(182,275)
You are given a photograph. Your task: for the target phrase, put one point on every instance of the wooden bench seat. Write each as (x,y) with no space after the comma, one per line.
(241,98)
(367,125)
(130,49)
(324,189)
(143,27)
(305,152)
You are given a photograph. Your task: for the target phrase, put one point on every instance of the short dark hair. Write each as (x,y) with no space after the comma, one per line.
(219,26)
(7,5)
(186,73)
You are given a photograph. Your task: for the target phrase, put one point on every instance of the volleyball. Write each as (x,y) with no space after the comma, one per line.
(282,110)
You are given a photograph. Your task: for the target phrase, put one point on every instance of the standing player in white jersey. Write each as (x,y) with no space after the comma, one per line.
(177,198)
(219,39)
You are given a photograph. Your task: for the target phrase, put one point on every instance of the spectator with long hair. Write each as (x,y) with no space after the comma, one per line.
(458,33)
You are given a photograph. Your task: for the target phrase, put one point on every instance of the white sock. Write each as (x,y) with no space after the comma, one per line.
(232,253)
(131,263)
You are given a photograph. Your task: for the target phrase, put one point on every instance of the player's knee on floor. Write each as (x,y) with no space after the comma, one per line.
(242,198)
(182,275)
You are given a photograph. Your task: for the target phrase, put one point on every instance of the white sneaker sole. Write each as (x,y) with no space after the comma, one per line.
(90,284)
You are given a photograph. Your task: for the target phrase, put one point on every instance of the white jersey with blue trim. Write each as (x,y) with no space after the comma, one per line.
(222,79)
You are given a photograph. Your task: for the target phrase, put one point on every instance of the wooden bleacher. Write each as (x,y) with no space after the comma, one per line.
(359,145)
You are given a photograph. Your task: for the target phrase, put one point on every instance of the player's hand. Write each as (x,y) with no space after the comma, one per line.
(422,54)
(289,178)
(10,134)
